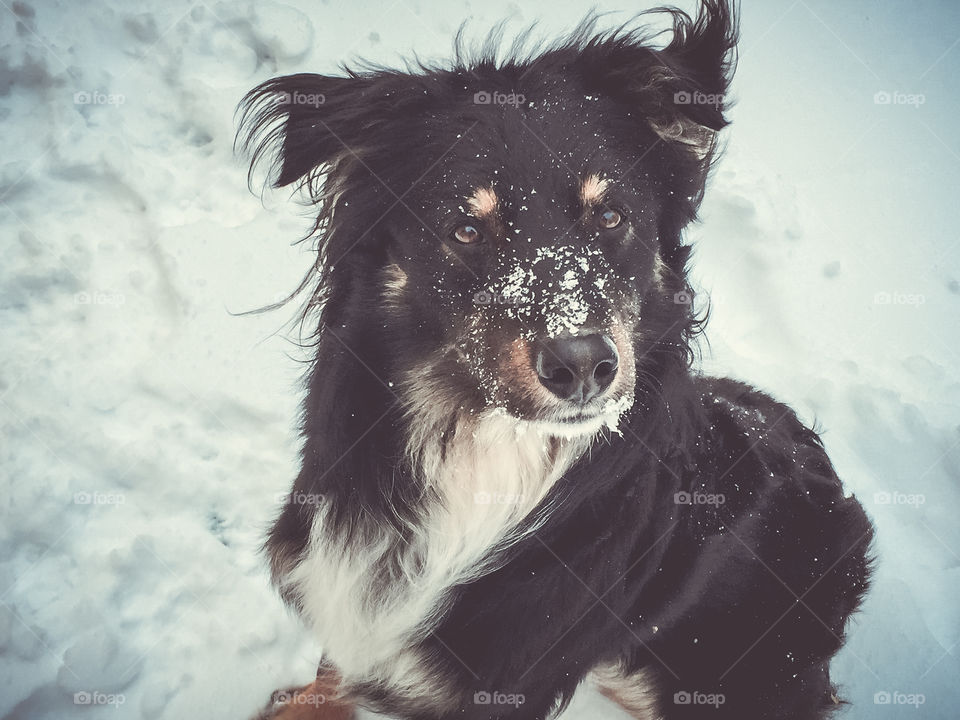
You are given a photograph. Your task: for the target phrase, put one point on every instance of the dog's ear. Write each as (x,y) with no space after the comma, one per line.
(302,126)
(696,69)
(681,89)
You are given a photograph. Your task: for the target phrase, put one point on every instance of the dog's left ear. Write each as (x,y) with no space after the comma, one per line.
(308,127)
(681,89)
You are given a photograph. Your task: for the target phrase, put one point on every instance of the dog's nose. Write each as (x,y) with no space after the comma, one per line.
(578,367)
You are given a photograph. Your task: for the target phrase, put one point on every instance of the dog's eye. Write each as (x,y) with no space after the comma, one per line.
(609,219)
(467,235)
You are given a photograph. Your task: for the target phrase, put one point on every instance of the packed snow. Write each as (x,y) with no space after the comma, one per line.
(148,430)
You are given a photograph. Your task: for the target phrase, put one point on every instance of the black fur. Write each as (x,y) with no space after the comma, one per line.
(748,598)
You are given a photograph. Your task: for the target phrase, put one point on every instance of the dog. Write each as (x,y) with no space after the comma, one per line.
(512,479)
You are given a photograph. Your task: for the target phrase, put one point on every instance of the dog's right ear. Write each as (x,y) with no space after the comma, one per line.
(681,89)
(303,125)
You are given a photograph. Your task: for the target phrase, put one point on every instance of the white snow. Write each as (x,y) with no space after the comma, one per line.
(147,431)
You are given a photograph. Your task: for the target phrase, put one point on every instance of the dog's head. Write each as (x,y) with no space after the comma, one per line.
(507,232)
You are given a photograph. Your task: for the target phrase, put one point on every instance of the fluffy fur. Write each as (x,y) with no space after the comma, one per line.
(476,543)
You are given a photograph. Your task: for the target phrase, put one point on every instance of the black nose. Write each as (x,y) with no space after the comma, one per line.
(577,368)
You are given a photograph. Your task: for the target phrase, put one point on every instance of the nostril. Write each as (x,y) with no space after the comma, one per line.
(560,376)
(605,370)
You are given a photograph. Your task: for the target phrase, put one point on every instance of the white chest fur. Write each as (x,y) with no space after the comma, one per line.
(369,604)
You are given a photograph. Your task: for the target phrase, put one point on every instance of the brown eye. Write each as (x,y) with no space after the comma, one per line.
(467,235)
(609,219)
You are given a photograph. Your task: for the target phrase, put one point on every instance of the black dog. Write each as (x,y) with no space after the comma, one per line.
(512,482)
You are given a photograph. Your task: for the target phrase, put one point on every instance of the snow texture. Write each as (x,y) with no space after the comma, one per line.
(148,432)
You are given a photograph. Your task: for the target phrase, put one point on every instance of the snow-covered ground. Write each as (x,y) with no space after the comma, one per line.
(147,431)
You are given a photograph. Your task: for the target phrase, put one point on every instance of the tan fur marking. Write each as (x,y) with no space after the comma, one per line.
(634,693)
(320,700)
(483,203)
(518,372)
(626,374)
(592,190)
(395,280)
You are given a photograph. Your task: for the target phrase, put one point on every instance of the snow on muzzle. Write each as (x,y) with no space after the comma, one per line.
(559,303)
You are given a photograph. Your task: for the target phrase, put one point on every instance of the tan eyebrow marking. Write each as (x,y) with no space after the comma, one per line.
(483,203)
(592,190)
(395,280)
